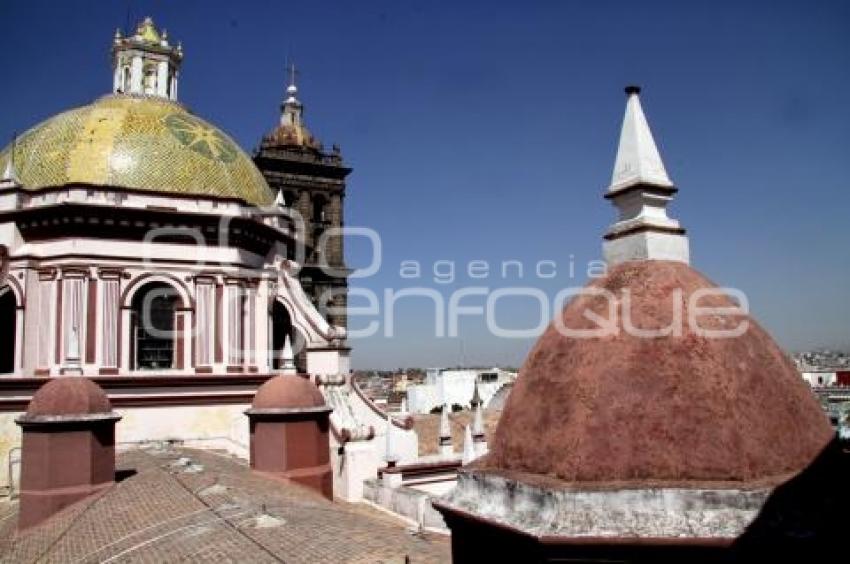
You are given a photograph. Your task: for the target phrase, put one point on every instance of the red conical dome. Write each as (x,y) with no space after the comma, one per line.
(669,410)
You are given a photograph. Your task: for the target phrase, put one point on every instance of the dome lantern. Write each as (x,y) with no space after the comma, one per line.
(145,63)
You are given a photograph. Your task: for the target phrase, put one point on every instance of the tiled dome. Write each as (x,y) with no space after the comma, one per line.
(139,143)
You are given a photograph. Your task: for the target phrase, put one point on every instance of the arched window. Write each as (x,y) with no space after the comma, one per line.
(7,330)
(319,205)
(149,79)
(281,327)
(152,325)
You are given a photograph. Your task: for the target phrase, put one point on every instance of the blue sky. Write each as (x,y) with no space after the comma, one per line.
(487,131)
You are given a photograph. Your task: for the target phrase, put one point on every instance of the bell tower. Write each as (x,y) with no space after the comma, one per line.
(145,63)
(311,181)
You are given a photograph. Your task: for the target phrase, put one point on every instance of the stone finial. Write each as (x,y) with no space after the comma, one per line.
(390,455)
(468,446)
(476,396)
(638,160)
(479,438)
(641,190)
(445,440)
(10,175)
(73,365)
(288,358)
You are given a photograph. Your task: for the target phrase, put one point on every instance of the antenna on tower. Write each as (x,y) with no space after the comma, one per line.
(127,21)
(293,72)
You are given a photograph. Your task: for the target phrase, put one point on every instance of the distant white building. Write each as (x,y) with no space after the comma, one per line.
(818,379)
(455,387)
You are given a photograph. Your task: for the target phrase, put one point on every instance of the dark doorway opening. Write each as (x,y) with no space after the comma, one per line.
(281,327)
(8,321)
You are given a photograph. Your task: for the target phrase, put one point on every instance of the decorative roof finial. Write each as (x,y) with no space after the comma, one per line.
(445,440)
(390,455)
(638,160)
(292,109)
(476,396)
(10,175)
(478,437)
(288,358)
(468,447)
(291,89)
(641,190)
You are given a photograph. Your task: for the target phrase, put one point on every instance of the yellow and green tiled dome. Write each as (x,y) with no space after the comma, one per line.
(138,143)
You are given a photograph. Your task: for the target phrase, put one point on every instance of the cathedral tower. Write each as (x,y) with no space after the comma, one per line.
(311,181)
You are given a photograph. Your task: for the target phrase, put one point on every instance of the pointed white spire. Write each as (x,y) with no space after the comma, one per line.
(478,436)
(279,200)
(10,175)
(445,439)
(390,454)
(477,422)
(638,160)
(468,447)
(288,358)
(641,191)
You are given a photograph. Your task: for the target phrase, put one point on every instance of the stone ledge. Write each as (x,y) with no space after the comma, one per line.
(652,512)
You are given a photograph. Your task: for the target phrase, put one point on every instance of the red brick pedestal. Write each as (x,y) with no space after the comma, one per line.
(289,433)
(68,447)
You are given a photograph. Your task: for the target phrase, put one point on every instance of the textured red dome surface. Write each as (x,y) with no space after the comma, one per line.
(69,396)
(675,410)
(288,392)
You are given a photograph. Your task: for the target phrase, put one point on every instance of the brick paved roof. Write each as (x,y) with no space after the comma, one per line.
(211,507)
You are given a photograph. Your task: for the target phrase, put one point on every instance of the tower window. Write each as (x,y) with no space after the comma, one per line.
(319,206)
